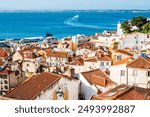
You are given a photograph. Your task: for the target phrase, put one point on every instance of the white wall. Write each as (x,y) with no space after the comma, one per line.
(90,66)
(135,40)
(115,74)
(83,51)
(141,80)
(105,64)
(17,56)
(55,61)
(87,90)
(72,86)
(106,88)
(78,69)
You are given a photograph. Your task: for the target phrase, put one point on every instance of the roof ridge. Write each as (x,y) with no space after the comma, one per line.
(108,78)
(145,59)
(27,80)
(90,70)
(138,59)
(129,63)
(46,87)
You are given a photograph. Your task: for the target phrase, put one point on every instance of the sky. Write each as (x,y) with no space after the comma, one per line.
(73,4)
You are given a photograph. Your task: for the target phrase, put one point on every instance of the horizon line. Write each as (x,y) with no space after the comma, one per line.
(68,9)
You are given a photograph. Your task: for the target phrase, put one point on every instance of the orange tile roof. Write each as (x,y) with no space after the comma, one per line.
(105,58)
(31,88)
(2,52)
(97,76)
(6,72)
(29,53)
(77,61)
(99,80)
(2,62)
(95,98)
(136,93)
(124,92)
(91,59)
(67,39)
(140,62)
(123,61)
(124,52)
(58,54)
(48,51)
(87,45)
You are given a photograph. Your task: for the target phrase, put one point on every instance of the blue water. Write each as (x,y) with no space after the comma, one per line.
(19,24)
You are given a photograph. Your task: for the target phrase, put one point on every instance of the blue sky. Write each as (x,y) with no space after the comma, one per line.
(72,4)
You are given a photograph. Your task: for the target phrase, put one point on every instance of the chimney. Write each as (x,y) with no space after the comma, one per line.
(72,72)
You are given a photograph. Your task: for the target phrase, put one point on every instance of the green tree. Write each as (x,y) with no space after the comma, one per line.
(48,35)
(139,22)
(146,28)
(126,27)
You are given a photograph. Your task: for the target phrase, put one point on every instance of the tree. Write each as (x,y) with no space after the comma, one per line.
(146,28)
(126,27)
(48,35)
(139,21)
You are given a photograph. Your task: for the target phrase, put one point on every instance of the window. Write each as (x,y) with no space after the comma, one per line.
(148,73)
(3,76)
(28,65)
(102,64)
(6,87)
(107,63)
(135,72)
(5,81)
(122,72)
(119,57)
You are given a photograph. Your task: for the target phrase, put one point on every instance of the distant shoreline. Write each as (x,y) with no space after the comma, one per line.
(11,10)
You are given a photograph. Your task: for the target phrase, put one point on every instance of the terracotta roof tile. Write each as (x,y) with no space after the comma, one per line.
(124,52)
(140,62)
(29,53)
(95,98)
(123,61)
(31,88)
(77,61)
(6,72)
(97,77)
(48,51)
(87,45)
(99,80)
(124,92)
(2,52)
(136,94)
(105,58)
(2,62)
(91,59)
(58,54)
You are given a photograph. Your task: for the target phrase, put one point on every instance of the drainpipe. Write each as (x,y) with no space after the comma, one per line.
(127,75)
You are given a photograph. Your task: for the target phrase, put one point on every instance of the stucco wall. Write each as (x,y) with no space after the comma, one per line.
(71,90)
(115,74)
(141,80)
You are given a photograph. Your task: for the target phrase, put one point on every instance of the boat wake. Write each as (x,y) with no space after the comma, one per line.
(74,21)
